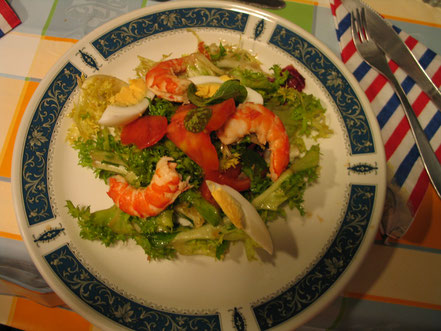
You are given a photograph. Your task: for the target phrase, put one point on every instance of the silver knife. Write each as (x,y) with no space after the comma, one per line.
(389,41)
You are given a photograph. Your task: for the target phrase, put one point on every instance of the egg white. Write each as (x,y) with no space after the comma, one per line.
(252,95)
(253,225)
(120,115)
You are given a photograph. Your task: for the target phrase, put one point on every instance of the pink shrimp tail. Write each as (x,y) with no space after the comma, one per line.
(165,187)
(162,79)
(255,118)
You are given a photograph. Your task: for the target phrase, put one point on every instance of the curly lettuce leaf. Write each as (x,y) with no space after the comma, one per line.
(291,185)
(302,115)
(107,156)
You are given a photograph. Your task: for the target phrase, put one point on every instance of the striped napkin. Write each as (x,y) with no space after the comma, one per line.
(8,18)
(407,179)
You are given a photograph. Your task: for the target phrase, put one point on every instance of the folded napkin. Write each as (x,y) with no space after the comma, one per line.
(407,179)
(8,18)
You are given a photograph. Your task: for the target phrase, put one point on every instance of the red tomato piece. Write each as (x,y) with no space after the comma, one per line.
(231,179)
(206,194)
(144,131)
(203,50)
(221,112)
(197,146)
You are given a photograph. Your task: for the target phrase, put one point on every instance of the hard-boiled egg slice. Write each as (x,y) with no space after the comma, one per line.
(197,80)
(241,213)
(121,115)
(127,105)
(208,85)
(254,96)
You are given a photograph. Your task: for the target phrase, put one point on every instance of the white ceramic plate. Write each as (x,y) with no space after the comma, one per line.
(314,257)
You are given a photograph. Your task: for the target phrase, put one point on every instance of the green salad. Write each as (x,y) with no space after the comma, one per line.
(199,152)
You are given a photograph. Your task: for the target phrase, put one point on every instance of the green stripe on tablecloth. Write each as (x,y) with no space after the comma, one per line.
(298,13)
(49,18)
(340,313)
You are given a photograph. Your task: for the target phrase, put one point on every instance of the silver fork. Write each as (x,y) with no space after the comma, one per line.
(373,55)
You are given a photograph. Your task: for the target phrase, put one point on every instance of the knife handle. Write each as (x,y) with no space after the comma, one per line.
(419,75)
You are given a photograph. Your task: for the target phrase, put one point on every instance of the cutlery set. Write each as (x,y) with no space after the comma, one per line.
(374,38)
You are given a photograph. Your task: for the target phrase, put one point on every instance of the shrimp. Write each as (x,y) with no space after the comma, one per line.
(165,187)
(162,79)
(255,118)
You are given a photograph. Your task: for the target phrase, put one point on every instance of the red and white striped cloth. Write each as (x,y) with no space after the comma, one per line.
(8,18)
(407,178)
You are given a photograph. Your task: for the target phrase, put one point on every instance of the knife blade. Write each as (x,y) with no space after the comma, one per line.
(388,40)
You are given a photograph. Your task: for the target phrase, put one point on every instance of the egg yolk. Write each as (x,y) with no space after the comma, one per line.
(230,206)
(130,94)
(207,90)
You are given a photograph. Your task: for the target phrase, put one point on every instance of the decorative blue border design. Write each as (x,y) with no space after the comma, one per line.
(126,34)
(34,167)
(49,234)
(117,307)
(329,268)
(136,316)
(340,90)
(363,168)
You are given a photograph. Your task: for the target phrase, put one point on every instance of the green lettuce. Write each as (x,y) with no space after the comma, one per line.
(291,185)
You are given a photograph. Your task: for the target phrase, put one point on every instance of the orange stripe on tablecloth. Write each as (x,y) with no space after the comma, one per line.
(32,316)
(69,40)
(8,147)
(426,226)
(308,2)
(409,20)
(10,235)
(396,301)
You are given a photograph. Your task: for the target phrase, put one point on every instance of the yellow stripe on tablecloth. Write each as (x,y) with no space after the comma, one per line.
(8,146)
(6,302)
(49,50)
(12,310)
(8,224)
(17,53)
(408,10)
(10,95)
(412,11)
(393,273)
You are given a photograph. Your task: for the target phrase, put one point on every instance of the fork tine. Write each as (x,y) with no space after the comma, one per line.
(357,28)
(354,30)
(363,23)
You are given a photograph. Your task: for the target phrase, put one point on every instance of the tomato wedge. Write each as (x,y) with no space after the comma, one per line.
(221,112)
(230,179)
(206,194)
(197,146)
(203,50)
(144,131)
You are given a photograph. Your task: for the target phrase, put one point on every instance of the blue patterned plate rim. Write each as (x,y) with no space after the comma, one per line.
(52,94)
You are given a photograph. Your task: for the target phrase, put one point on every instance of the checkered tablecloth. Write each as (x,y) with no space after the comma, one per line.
(398,285)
